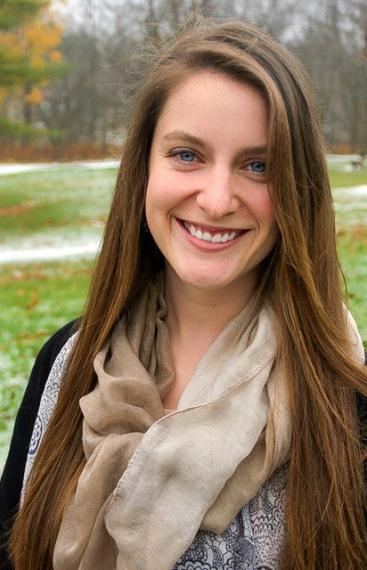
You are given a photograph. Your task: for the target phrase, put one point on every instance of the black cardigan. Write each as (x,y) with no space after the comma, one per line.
(12,478)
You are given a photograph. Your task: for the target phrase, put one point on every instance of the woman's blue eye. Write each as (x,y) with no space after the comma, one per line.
(258,167)
(186,156)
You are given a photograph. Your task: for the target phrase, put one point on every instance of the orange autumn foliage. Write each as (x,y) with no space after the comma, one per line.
(34,97)
(37,40)
(40,39)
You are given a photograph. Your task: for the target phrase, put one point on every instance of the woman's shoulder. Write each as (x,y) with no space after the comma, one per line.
(39,374)
(54,344)
(43,365)
(41,370)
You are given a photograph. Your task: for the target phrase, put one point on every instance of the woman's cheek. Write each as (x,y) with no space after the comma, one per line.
(261,205)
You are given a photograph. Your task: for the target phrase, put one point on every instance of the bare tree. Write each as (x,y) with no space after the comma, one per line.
(104,45)
(331,47)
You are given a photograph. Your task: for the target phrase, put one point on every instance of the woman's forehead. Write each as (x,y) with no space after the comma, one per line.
(210,105)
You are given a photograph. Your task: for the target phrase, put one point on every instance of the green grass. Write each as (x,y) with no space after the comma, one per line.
(352,249)
(39,208)
(351,221)
(342,179)
(65,198)
(36,300)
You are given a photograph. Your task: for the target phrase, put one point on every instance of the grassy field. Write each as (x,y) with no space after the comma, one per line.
(49,208)
(35,300)
(343,178)
(70,204)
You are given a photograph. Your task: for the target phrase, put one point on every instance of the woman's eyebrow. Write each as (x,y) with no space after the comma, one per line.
(183,136)
(253,150)
(192,139)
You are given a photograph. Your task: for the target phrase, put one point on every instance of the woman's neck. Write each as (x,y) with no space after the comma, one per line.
(197,315)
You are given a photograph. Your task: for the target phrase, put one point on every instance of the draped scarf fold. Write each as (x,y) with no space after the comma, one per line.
(151,481)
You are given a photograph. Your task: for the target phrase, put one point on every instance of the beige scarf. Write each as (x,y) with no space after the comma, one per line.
(152,481)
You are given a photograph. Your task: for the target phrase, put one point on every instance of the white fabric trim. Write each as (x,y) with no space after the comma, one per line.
(47,406)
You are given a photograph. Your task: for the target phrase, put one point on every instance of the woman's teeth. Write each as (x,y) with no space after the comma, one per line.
(213,238)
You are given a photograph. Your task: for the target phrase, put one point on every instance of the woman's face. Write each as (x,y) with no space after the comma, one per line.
(208,205)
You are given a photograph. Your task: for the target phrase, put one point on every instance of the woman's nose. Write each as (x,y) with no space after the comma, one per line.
(217,195)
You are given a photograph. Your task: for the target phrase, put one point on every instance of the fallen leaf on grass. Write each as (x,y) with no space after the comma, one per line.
(16,210)
(33,335)
(358,231)
(33,301)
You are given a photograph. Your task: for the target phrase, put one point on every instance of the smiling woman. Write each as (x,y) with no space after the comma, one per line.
(204,414)
(207,189)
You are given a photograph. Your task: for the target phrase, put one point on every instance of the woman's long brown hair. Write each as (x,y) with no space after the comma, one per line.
(325,526)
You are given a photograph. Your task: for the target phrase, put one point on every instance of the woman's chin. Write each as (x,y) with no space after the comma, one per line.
(203,280)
